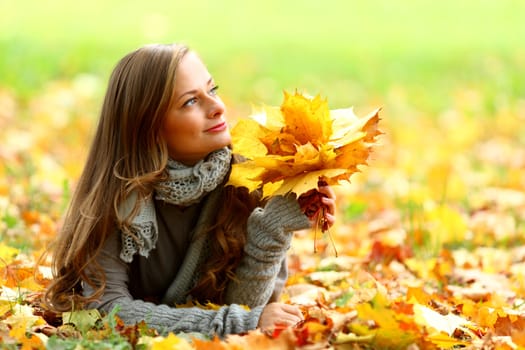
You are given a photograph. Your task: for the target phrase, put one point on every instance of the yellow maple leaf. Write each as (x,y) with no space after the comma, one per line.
(247,137)
(21,320)
(290,149)
(392,330)
(5,306)
(169,342)
(445,341)
(18,330)
(308,120)
(7,253)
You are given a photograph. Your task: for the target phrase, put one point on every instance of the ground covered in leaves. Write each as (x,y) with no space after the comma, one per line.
(429,237)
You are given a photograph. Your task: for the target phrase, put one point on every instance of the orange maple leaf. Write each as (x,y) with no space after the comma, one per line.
(32,343)
(255,339)
(15,273)
(290,149)
(214,344)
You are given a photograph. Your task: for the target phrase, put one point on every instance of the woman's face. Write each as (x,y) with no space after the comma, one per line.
(195,125)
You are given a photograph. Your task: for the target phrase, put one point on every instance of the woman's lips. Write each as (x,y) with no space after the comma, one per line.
(219,127)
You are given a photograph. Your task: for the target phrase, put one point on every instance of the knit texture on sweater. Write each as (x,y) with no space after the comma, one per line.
(185,186)
(269,233)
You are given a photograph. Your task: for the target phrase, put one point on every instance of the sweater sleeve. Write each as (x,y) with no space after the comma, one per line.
(270,230)
(226,320)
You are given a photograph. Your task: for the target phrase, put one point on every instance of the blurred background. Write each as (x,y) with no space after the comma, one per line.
(448,75)
(351,51)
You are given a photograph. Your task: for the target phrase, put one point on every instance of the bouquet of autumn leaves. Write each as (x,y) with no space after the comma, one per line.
(301,145)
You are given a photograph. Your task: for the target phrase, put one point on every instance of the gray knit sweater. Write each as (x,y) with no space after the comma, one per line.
(260,275)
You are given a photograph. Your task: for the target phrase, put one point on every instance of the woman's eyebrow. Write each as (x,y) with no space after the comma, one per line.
(193,91)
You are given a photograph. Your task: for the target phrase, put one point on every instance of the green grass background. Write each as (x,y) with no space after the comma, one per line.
(354,52)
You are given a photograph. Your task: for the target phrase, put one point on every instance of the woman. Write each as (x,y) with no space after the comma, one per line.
(152,225)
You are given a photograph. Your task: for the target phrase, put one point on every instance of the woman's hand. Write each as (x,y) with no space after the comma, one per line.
(279,314)
(319,205)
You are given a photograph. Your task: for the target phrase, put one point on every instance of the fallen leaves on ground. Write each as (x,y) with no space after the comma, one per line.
(430,239)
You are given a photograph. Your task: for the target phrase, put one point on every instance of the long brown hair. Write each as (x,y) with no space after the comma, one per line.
(128,154)
(227,238)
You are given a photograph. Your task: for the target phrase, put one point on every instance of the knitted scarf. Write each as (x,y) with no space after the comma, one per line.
(185,186)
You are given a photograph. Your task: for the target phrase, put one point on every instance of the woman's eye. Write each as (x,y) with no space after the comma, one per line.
(190,102)
(214,89)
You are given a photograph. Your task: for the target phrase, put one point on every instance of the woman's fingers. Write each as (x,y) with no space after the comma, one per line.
(327,190)
(329,198)
(319,205)
(328,202)
(329,219)
(279,313)
(292,310)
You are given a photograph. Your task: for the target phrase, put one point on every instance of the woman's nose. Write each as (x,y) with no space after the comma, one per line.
(217,108)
